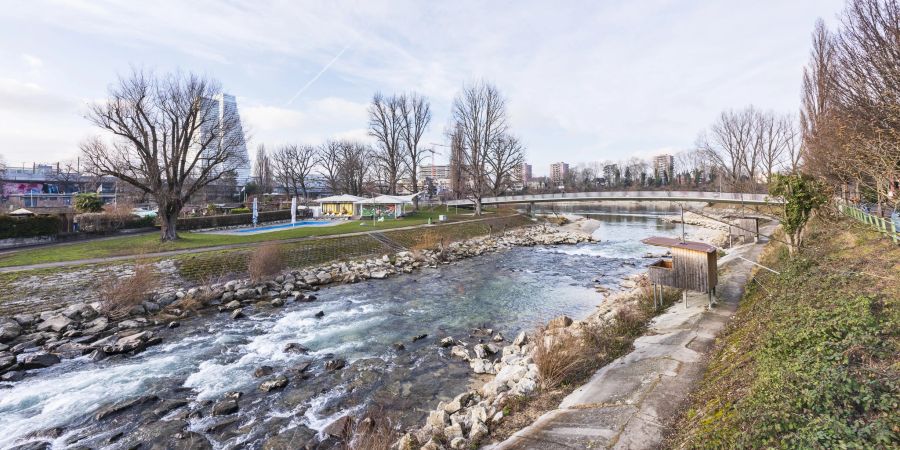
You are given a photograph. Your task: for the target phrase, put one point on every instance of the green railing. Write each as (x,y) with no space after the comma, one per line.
(884,226)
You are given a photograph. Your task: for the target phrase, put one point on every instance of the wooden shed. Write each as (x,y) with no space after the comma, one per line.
(693,266)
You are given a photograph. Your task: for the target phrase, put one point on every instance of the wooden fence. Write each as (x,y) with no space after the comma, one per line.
(886,227)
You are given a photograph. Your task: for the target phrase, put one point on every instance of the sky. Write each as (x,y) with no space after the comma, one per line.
(584,80)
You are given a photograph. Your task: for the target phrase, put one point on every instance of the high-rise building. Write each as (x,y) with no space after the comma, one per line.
(525,174)
(558,172)
(663,164)
(224,107)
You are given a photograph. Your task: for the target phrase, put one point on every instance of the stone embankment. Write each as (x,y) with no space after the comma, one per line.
(38,340)
(467,419)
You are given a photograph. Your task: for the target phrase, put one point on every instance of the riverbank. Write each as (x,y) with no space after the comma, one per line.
(167,373)
(810,359)
(537,370)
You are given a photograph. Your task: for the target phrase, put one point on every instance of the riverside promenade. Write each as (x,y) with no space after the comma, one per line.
(627,403)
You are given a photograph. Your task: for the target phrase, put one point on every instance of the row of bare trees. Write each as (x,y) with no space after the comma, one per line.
(748,147)
(850,112)
(485,153)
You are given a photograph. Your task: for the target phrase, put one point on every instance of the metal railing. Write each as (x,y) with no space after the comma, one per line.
(693,196)
(889,228)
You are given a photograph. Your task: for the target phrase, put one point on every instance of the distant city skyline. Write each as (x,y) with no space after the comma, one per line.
(584,81)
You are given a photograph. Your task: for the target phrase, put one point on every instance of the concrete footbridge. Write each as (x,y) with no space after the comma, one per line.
(638,196)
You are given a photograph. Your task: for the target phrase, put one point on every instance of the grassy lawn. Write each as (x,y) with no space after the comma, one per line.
(149,243)
(812,357)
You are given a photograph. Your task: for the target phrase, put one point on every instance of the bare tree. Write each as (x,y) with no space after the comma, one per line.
(329,162)
(386,123)
(505,158)
(480,112)
(66,177)
(355,165)
(457,160)
(166,139)
(416,113)
(262,169)
(292,165)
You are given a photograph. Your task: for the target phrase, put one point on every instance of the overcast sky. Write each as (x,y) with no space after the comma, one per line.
(584,81)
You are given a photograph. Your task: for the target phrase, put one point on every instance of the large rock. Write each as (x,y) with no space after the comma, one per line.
(225,407)
(478,431)
(24,320)
(96,326)
(379,274)
(37,360)
(559,322)
(335,364)
(120,407)
(55,323)
(480,365)
(459,402)
(294,347)
(6,360)
(438,419)
(521,339)
(273,384)
(133,343)
(9,331)
(340,428)
(460,352)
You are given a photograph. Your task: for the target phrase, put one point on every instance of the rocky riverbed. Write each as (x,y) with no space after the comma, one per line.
(292,360)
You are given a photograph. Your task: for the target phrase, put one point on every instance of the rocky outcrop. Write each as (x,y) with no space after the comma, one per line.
(465,421)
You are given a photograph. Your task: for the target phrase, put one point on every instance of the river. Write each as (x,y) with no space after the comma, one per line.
(212,355)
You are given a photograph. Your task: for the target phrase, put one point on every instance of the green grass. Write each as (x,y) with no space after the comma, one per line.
(149,243)
(812,357)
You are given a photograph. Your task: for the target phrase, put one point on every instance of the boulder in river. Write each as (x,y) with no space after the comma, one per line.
(237,314)
(273,384)
(320,314)
(9,331)
(419,337)
(335,364)
(294,347)
(38,360)
(225,407)
(340,428)
(263,371)
(448,342)
(121,407)
(55,323)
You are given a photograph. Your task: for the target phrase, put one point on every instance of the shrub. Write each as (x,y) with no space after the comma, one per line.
(119,295)
(25,227)
(240,211)
(194,223)
(372,434)
(88,202)
(266,261)
(561,358)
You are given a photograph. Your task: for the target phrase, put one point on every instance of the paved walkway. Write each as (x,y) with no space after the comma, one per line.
(107,259)
(628,402)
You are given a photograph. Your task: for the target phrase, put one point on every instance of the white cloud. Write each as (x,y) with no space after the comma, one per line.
(32,61)
(585,80)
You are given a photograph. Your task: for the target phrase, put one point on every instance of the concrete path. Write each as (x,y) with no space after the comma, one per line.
(108,259)
(627,403)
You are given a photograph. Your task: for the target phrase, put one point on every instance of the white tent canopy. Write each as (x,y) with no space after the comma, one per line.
(384,200)
(343,198)
(21,212)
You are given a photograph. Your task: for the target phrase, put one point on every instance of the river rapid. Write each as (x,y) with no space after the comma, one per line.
(211,356)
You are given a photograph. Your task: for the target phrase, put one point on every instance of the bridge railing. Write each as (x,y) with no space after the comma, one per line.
(733,197)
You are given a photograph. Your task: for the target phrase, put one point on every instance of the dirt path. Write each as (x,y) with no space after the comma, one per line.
(626,403)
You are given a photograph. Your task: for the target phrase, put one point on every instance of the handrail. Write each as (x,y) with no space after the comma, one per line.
(888,228)
(697,196)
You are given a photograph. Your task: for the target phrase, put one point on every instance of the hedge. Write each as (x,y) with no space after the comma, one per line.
(229,220)
(104,222)
(25,227)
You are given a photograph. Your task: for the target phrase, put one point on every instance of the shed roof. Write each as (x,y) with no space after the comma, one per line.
(343,198)
(677,243)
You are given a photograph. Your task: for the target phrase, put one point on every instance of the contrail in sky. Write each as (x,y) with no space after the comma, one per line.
(313,80)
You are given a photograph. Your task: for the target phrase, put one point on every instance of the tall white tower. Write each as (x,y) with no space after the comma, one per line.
(225,105)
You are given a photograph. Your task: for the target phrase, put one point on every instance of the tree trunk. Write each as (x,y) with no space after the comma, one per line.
(415,201)
(168,216)
(478,206)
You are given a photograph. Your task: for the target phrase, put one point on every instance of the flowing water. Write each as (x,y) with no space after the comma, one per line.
(211,355)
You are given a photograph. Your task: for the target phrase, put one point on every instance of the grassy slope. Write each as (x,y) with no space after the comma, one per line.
(812,358)
(149,243)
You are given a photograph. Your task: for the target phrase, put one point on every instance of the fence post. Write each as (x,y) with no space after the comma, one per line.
(895,237)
